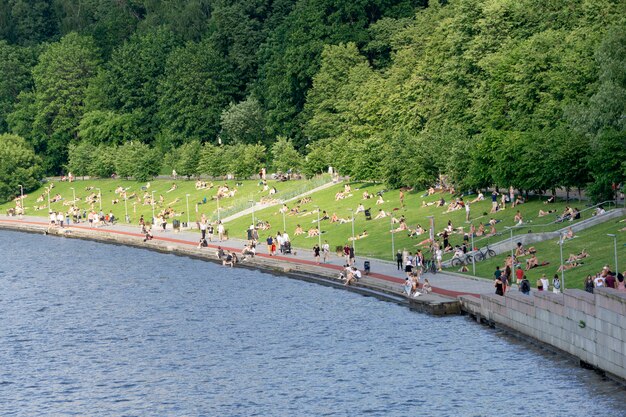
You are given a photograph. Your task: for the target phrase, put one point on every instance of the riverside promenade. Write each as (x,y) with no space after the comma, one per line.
(384,276)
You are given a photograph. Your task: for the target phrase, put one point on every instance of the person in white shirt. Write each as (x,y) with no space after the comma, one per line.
(353,276)
(467,212)
(545,282)
(325,251)
(60,219)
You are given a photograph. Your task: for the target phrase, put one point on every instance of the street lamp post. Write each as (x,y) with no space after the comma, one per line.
(253,219)
(218,208)
(100,197)
(614,249)
(473,257)
(126,210)
(561,238)
(319,229)
(353,240)
(21,201)
(187,199)
(284,224)
(152,201)
(49,189)
(393,243)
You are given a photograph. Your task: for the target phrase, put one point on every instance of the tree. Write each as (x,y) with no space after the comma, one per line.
(137,160)
(284,155)
(212,161)
(16,64)
(243,122)
(61,79)
(18,166)
(187,158)
(103,161)
(245,161)
(109,127)
(80,158)
(198,83)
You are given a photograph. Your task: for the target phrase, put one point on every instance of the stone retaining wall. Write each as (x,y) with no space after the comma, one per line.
(591,327)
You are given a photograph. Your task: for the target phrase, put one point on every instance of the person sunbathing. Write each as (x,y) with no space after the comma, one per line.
(381,213)
(334,218)
(380,200)
(401,227)
(570,234)
(366,195)
(492,231)
(569,266)
(481,229)
(361,236)
(339,196)
(573,258)
(313,232)
(360,209)
(545,213)
(347,189)
(478,198)
(172,188)
(518,219)
(299,231)
(425,204)
(441,202)
(519,200)
(294,211)
(532,262)
(419,230)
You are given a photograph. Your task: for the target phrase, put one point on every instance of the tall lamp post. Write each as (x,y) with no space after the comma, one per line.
(49,209)
(393,243)
(187,199)
(561,239)
(218,207)
(284,224)
(100,197)
(152,200)
(253,219)
(21,200)
(473,257)
(614,249)
(353,240)
(319,229)
(126,209)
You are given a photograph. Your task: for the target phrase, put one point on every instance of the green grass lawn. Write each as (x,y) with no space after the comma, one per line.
(378,244)
(594,240)
(247,190)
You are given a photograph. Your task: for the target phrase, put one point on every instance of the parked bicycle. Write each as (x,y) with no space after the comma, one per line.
(480,255)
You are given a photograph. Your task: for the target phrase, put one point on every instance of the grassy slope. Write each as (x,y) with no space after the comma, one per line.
(378,243)
(249,190)
(594,240)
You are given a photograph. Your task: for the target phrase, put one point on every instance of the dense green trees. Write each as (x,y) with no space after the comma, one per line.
(18,166)
(522,93)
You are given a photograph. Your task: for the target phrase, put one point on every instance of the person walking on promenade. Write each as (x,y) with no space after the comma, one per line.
(589,284)
(399,260)
(352,256)
(316,253)
(524,285)
(325,251)
(270,242)
(346,253)
(221,231)
(499,286)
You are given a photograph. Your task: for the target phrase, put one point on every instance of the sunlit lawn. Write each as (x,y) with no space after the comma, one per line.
(246,190)
(378,243)
(594,240)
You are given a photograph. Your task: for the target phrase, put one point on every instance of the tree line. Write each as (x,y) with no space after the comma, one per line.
(526,93)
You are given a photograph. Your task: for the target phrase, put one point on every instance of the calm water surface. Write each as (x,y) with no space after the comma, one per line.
(94,329)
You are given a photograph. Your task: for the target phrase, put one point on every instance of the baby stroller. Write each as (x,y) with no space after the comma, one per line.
(287,247)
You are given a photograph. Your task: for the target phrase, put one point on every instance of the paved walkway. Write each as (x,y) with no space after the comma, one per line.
(444,284)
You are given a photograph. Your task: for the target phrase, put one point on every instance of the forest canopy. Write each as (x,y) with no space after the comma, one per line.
(523,93)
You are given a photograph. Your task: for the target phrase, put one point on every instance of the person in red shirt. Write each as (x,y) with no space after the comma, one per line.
(519,274)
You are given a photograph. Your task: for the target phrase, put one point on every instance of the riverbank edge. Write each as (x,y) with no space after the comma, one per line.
(553,328)
(327,275)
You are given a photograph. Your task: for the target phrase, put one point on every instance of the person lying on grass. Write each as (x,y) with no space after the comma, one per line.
(533,262)
(574,258)
(569,266)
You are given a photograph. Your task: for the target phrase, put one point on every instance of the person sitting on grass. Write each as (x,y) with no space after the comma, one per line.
(299,231)
(574,258)
(360,209)
(481,229)
(532,262)
(419,230)
(545,213)
(313,232)
(172,188)
(492,231)
(550,200)
(425,204)
(518,219)
(381,213)
(380,200)
(521,251)
(569,266)
(366,195)
(479,197)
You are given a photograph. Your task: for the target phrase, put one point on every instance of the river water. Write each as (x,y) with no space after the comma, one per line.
(94,329)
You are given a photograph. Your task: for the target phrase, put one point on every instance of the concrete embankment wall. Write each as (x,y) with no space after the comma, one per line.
(591,327)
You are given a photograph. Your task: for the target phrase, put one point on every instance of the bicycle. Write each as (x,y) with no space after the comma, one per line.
(486,254)
(466,259)
(430,266)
